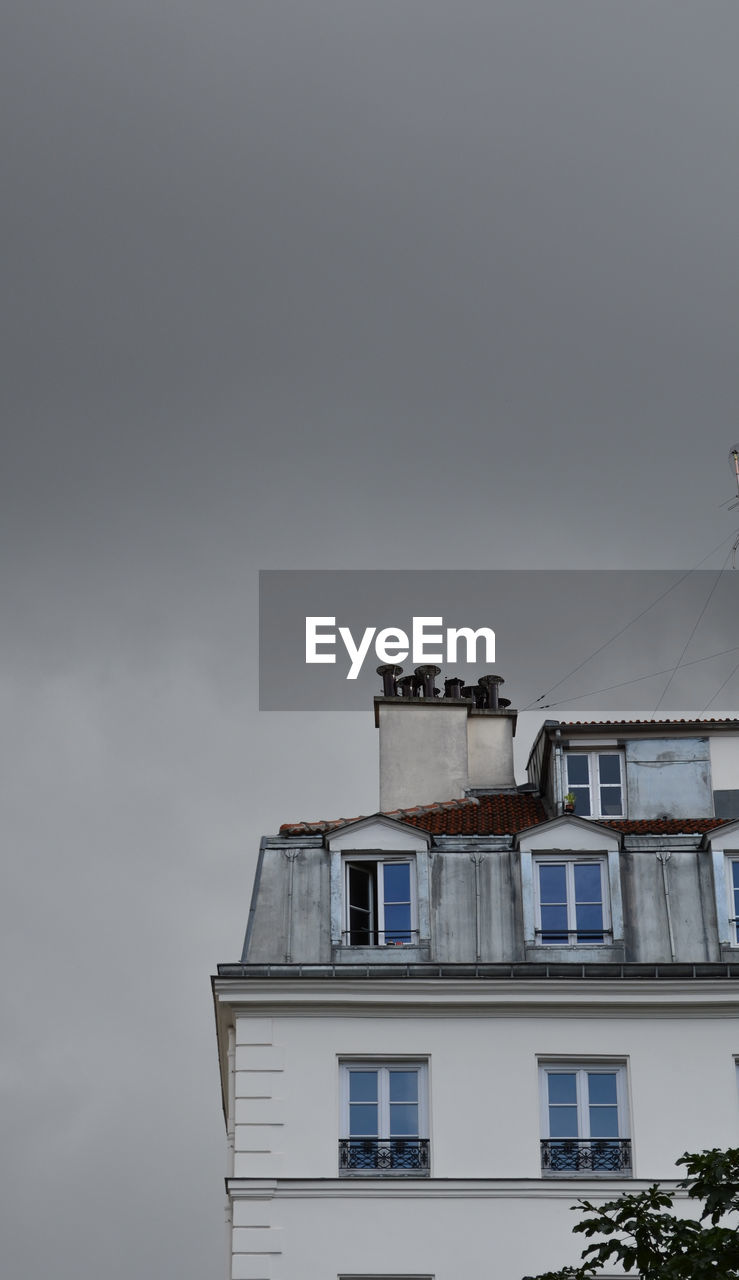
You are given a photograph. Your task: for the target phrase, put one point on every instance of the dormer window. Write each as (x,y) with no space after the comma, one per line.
(379,892)
(571,897)
(596,779)
(380,901)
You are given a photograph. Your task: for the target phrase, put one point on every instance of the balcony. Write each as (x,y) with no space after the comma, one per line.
(379,938)
(573,937)
(594,1156)
(393,1156)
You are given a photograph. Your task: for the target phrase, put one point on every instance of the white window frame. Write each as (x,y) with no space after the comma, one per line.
(380,861)
(569,860)
(582,1067)
(383,1066)
(730,861)
(594,783)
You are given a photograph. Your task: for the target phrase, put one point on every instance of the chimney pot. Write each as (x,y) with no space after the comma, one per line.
(407,686)
(389,680)
(426,679)
(490,684)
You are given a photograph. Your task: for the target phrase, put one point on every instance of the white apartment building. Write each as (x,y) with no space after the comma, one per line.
(454,1018)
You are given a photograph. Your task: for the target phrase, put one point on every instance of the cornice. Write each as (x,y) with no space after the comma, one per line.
(440,1188)
(549,998)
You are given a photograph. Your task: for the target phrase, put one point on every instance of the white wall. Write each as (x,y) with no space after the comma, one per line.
(490,750)
(725,761)
(423,752)
(483,1087)
(457,1235)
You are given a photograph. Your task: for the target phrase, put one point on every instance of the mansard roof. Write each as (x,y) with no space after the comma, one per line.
(502,813)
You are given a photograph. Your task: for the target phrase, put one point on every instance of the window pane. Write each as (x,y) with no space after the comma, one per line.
(554,924)
(603,1122)
(360,887)
(609,769)
(611,801)
(397,881)
(403,1086)
(398,922)
(363,1086)
(360,934)
(562,1086)
(363,1120)
(589,921)
(582,800)
(577,770)
(602,1086)
(735,882)
(587,882)
(361,884)
(552,883)
(403,1120)
(563,1122)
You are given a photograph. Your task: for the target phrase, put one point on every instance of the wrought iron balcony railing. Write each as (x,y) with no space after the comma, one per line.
(573,937)
(379,937)
(586,1155)
(384,1155)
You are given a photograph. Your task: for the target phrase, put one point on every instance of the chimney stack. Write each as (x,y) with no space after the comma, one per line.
(435,748)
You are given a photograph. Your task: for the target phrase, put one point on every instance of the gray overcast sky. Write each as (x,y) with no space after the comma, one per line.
(297,284)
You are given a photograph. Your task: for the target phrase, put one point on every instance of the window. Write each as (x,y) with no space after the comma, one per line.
(595,778)
(584,1119)
(571,899)
(384,1118)
(732,872)
(379,886)
(380,898)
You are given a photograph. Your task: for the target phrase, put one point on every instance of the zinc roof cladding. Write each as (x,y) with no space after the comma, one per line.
(503,814)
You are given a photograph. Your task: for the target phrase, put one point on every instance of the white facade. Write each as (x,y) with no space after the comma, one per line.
(483,1046)
(628,1040)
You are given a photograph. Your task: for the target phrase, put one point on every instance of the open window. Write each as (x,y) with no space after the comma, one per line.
(379,879)
(380,901)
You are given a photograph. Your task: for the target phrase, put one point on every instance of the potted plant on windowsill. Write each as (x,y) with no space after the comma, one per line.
(568,804)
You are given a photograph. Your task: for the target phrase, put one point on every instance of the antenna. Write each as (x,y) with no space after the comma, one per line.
(734,464)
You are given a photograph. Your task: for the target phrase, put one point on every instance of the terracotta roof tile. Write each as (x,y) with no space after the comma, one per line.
(503,813)
(663,826)
(606,724)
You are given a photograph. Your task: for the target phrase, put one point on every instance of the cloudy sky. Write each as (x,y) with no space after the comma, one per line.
(297,284)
